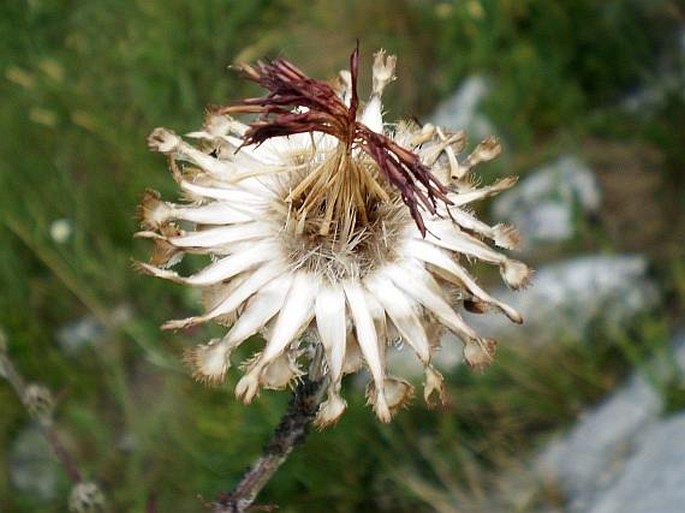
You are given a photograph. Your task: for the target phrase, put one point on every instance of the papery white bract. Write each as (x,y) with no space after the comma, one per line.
(328,231)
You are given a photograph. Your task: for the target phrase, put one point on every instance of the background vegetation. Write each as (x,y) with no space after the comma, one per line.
(83,82)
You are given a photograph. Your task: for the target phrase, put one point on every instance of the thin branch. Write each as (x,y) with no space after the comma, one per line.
(290,432)
(38,402)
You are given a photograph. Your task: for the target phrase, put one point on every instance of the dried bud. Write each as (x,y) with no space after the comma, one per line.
(39,402)
(86,497)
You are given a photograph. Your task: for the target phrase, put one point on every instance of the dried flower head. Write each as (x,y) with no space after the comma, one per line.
(39,402)
(328,232)
(86,497)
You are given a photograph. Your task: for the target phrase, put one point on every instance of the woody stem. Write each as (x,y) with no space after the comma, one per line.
(291,432)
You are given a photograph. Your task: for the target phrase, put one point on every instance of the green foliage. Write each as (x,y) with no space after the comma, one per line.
(550,61)
(84,82)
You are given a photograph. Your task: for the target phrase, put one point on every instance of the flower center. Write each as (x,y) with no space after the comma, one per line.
(339,196)
(341,221)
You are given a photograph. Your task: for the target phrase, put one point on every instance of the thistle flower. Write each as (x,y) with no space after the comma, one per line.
(329,232)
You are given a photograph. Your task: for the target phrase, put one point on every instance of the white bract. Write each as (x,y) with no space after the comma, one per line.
(329,233)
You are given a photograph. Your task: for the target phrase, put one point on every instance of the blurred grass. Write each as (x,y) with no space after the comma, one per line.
(83,83)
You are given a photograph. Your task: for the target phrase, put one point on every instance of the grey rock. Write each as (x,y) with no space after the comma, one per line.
(88,330)
(648,100)
(32,468)
(460,111)
(622,451)
(568,297)
(653,480)
(669,82)
(545,204)
(594,452)
(565,300)
(78,334)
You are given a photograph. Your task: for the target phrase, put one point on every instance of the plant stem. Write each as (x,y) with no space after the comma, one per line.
(291,431)
(45,421)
